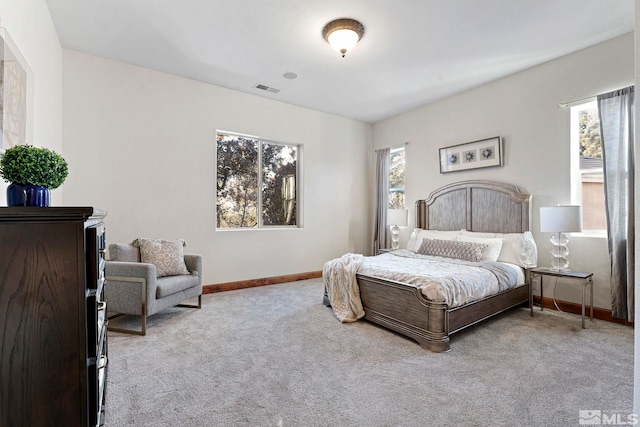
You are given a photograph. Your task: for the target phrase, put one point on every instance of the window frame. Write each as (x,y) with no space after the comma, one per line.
(402,189)
(576,173)
(299,183)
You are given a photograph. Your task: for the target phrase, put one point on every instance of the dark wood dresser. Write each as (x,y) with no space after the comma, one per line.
(53,335)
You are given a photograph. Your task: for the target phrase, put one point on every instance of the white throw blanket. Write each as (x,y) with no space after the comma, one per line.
(339,277)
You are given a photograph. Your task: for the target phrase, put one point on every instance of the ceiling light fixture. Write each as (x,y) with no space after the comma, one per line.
(343,34)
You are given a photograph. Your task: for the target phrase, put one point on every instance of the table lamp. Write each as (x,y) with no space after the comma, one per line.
(559,220)
(396,218)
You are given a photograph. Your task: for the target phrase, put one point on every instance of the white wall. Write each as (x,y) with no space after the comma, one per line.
(141,144)
(29,25)
(523,109)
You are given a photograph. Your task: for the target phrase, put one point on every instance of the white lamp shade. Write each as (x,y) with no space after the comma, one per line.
(398,217)
(561,219)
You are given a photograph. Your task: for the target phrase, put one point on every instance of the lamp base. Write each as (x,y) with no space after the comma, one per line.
(395,231)
(560,252)
(558,265)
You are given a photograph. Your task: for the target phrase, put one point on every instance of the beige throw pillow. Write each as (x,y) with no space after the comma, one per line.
(166,255)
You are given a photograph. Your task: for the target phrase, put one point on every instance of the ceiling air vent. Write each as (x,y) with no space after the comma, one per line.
(267,88)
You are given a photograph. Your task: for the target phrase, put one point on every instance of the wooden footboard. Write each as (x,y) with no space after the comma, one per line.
(403,309)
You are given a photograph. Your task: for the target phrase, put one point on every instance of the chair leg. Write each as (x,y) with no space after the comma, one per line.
(143,305)
(143,308)
(192,306)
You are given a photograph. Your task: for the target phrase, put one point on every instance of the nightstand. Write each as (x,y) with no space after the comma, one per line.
(586,278)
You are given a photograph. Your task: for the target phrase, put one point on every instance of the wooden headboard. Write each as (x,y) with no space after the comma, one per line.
(485,206)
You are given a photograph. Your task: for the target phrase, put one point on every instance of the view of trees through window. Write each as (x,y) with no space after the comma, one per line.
(589,124)
(396,178)
(256,182)
(590,185)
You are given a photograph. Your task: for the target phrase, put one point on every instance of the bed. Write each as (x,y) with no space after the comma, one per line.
(475,206)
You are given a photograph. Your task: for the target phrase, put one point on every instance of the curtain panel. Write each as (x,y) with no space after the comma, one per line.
(380,234)
(616,111)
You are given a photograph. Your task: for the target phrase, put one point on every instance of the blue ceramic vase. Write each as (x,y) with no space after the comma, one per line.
(27,195)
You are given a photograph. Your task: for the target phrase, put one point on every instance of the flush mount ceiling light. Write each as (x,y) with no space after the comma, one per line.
(343,34)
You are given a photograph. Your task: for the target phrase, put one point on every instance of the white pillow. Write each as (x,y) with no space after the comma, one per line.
(491,252)
(415,240)
(517,248)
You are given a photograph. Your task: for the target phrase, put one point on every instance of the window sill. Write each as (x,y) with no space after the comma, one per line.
(600,234)
(224,230)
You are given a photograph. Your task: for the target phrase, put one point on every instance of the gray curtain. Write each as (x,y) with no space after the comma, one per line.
(616,112)
(380,234)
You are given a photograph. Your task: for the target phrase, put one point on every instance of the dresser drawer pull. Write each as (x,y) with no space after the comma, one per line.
(102,305)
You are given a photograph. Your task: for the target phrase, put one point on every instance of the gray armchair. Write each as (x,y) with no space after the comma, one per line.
(133,288)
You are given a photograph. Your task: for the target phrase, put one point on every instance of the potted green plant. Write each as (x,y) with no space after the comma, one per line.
(32,172)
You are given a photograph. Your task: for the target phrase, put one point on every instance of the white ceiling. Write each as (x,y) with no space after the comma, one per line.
(413,52)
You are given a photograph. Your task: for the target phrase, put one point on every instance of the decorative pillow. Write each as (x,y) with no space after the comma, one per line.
(492,251)
(517,248)
(166,255)
(468,251)
(415,240)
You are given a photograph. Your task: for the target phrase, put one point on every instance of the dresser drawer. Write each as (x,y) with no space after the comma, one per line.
(95,255)
(97,390)
(96,325)
(101,323)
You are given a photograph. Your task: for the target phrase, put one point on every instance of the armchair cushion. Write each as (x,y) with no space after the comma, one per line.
(166,255)
(170,285)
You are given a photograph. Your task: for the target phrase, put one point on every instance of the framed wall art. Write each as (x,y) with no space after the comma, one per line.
(471,155)
(16,91)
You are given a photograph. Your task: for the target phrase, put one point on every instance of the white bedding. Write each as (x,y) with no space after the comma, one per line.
(439,279)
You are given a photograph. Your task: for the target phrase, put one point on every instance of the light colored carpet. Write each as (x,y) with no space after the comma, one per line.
(275,356)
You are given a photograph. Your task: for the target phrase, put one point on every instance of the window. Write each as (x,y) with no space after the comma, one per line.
(258,182)
(396,178)
(587,180)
